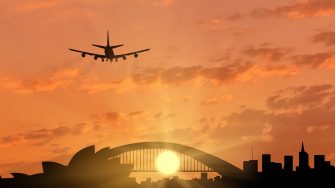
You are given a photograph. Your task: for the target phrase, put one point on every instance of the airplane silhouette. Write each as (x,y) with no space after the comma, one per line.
(109,53)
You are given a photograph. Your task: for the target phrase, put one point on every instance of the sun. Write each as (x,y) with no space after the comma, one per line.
(167,162)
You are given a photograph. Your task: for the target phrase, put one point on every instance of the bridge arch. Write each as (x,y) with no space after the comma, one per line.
(222,167)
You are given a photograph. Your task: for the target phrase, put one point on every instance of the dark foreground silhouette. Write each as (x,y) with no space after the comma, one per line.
(90,169)
(86,169)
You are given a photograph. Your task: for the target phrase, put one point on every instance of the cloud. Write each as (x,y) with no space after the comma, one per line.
(120,122)
(301,112)
(217,100)
(158,116)
(264,136)
(268,53)
(315,125)
(279,70)
(327,37)
(58,79)
(311,129)
(315,106)
(74,79)
(178,99)
(317,60)
(96,122)
(188,135)
(34,137)
(222,57)
(110,117)
(302,97)
(120,118)
(43,135)
(61,150)
(296,10)
(249,124)
(136,114)
(218,24)
(180,75)
(254,125)
(237,128)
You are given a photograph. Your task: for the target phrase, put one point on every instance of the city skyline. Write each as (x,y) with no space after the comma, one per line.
(113,166)
(219,76)
(302,164)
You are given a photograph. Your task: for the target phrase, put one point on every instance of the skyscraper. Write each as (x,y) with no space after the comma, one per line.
(288,163)
(319,162)
(266,163)
(303,160)
(250,167)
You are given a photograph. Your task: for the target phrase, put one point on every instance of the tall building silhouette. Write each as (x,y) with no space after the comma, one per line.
(303,160)
(288,163)
(266,163)
(250,167)
(319,162)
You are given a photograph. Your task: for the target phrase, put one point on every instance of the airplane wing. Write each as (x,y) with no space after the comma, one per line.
(83,53)
(132,53)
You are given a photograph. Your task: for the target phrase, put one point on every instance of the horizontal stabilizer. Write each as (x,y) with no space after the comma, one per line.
(99,46)
(116,46)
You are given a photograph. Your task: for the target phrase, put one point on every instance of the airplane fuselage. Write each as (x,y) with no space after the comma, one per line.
(109,52)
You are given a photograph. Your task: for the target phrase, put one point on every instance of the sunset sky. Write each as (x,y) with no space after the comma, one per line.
(223,76)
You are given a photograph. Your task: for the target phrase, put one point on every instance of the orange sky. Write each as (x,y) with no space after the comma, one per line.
(223,76)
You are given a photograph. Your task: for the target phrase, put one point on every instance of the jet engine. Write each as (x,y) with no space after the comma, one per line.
(83,55)
(136,55)
(124,57)
(95,57)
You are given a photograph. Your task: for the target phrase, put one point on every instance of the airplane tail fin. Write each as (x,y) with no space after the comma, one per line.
(107,38)
(108,45)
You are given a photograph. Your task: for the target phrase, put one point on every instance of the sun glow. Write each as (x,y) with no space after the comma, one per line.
(167,162)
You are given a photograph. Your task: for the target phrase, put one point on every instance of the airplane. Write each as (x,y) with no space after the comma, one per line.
(109,53)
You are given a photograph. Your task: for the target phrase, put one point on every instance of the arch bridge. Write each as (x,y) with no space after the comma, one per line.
(143,156)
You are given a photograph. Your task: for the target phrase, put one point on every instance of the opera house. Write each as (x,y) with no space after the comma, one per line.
(86,169)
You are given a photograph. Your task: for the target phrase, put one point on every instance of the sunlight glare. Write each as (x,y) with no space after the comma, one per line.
(167,162)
